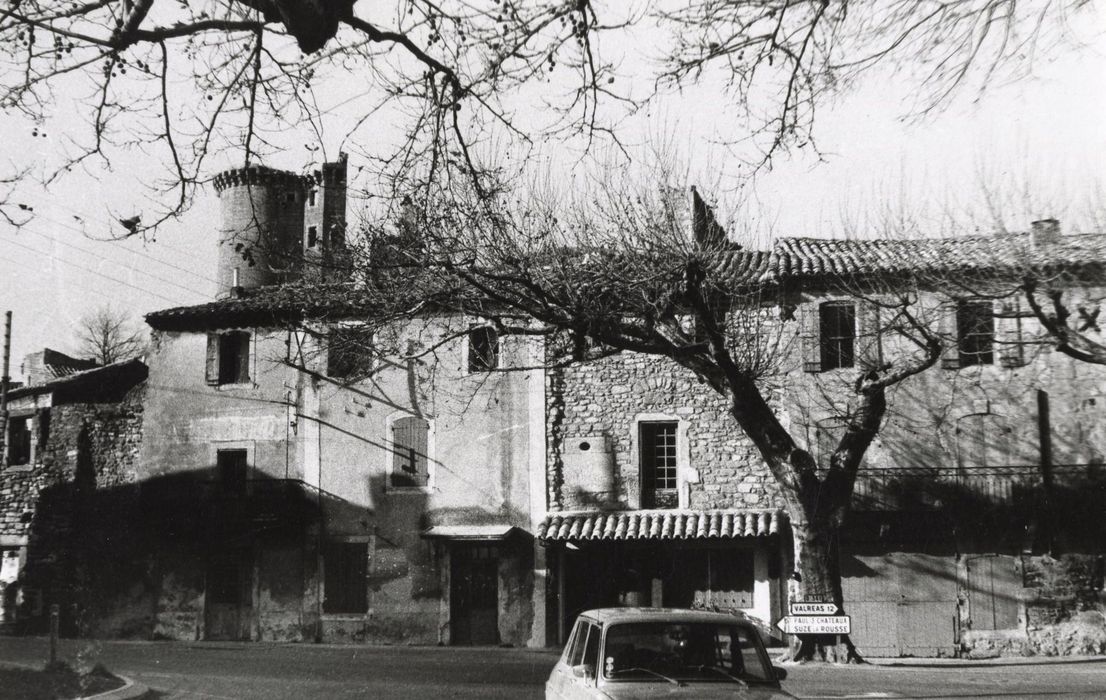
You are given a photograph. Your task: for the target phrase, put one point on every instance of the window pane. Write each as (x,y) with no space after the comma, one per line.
(483,350)
(975,332)
(838,334)
(591,648)
(658,464)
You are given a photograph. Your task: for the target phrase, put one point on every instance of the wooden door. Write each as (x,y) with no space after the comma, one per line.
(229,596)
(901,603)
(994,588)
(474,595)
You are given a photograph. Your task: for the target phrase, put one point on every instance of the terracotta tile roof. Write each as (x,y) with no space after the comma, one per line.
(659,525)
(272,305)
(813,257)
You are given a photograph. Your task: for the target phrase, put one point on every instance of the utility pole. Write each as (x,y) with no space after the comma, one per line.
(5,380)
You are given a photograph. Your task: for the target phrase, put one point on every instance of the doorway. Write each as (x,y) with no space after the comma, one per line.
(474,594)
(229,596)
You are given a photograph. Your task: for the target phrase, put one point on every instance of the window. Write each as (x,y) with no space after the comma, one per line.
(585,646)
(410,438)
(975,333)
(312,236)
(349,352)
(19,440)
(483,349)
(228,358)
(657,444)
(837,326)
(311,197)
(346,577)
(233,471)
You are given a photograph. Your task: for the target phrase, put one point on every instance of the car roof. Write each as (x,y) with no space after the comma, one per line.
(610,615)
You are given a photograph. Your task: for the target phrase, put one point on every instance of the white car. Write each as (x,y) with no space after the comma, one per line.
(663,653)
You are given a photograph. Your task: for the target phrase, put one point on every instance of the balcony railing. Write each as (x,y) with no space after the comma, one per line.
(942,487)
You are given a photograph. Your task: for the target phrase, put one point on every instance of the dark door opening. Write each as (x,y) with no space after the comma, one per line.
(229,596)
(474,595)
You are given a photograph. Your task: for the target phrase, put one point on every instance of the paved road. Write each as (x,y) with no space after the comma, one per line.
(276,672)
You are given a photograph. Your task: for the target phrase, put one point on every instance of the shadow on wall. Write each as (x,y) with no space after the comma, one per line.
(98,552)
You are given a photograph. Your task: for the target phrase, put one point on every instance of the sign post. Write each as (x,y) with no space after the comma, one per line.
(815,618)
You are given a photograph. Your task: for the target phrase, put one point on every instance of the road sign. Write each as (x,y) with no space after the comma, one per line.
(815,624)
(813,608)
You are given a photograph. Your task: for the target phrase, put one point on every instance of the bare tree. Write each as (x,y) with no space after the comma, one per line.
(181,81)
(108,335)
(650,271)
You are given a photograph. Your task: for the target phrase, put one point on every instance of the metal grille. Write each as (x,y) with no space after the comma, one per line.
(975,333)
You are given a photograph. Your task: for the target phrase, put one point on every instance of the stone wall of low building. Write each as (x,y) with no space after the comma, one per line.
(601,403)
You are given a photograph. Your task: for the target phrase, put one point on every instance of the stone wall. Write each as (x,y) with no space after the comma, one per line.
(605,399)
(1065,603)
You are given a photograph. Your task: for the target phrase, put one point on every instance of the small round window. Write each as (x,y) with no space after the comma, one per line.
(585,446)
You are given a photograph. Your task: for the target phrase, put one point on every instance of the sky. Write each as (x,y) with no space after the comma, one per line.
(1042,140)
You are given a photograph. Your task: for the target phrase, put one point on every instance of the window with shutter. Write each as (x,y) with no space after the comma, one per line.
(1011,347)
(228,359)
(410,463)
(837,334)
(809,334)
(975,333)
(869,335)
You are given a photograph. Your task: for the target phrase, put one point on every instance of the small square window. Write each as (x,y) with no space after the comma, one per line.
(483,349)
(349,352)
(975,333)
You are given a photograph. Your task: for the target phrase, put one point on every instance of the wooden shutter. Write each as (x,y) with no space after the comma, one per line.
(810,329)
(1008,322)
(869,344)
(409,448)
(950,336)
(212,369)
(246,355)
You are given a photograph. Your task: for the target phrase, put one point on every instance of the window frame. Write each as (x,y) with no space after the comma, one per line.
(391,454)
(27,419)
(363,553)
(219,350)
(649,460)
(362,365)
(475,362)
(968,332)
(832,341)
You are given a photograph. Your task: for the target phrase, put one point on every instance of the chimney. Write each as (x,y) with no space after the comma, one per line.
(1045,231)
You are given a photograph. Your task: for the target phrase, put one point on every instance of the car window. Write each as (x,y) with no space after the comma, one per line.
(591,648)
(700,651)
(576,644)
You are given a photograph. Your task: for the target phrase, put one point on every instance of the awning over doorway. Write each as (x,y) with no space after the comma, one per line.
(659,525)
(480,533)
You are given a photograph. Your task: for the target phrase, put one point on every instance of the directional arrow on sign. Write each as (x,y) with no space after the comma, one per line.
(811,624)
(813,608)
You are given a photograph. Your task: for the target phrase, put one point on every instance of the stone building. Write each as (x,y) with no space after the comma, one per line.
(310,486)
(987,468)
(72,435)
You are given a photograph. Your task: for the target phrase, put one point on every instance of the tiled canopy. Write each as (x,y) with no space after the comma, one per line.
(659,525)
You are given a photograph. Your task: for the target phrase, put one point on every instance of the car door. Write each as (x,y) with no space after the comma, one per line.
(584,664)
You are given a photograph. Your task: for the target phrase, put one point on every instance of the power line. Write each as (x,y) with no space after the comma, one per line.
(96,272)
(102,257)
(137,252)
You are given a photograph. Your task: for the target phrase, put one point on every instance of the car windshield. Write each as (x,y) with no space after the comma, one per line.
(683,651)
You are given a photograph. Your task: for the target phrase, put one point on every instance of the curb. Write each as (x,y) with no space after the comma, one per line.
(130,689)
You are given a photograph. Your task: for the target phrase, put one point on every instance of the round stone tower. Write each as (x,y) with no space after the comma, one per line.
(262,224)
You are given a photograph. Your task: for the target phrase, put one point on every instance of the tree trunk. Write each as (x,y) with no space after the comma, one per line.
(817,578)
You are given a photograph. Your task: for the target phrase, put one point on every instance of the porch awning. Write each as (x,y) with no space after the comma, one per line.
(486,533)
(659,525)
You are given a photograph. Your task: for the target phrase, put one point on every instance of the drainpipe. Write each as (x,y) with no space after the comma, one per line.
(5,380)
